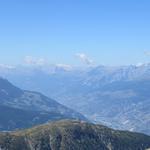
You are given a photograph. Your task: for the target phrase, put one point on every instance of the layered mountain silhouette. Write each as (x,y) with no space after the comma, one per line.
(118,97)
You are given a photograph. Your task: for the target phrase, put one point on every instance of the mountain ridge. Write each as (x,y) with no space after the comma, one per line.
(22,108)
(73,135)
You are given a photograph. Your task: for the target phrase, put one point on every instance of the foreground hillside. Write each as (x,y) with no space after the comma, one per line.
(73,135)
(22,109)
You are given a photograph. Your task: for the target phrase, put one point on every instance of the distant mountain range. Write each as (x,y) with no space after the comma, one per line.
(22,109)
(118,97)
(73,135)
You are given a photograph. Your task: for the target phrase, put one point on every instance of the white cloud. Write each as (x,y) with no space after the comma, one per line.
(34,61)
(29,60)
(64,66)
(84,58)
(139,64)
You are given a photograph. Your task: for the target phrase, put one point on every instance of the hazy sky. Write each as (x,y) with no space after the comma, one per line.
(110,32)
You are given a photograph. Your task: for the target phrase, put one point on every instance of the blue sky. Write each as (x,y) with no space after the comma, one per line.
(110,32)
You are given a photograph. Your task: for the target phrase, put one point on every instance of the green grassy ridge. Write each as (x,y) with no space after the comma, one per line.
(73,135)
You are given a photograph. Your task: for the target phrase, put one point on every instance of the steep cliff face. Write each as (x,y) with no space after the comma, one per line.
(73,135)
